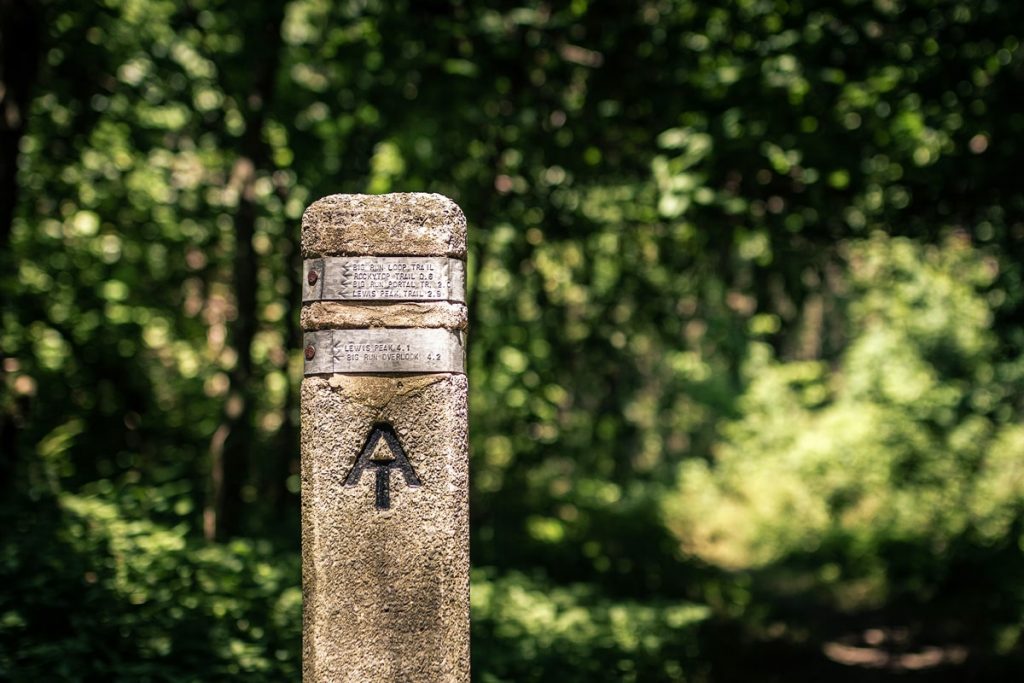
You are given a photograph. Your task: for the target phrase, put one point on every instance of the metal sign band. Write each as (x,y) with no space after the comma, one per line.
(384,278)
(384,350)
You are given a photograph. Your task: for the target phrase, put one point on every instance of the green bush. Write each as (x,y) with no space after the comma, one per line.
(528,630)
(93,595)
(904,448)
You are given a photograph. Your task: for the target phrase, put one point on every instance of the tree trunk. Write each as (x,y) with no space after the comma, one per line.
(20,48)
(286,454)
(231,467)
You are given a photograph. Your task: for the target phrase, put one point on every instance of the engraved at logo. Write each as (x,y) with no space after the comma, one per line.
(382,453)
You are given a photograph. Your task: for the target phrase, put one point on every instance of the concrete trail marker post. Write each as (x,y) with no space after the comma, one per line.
(385,470)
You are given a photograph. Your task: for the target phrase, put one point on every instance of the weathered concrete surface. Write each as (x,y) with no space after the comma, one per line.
(399,224)
(386,591)
(322,315)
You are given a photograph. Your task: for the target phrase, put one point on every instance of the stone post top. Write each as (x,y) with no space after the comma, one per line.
(397,224)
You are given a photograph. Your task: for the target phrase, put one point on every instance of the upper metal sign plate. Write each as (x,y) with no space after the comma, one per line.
(384,278)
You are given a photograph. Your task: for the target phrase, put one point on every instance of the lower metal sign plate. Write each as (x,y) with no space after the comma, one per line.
(384,350)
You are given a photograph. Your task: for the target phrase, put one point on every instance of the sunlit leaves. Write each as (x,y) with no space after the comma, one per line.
(881,450)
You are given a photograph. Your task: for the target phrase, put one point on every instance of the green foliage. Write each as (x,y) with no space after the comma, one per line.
(525,630)
(101,596)
(906,440)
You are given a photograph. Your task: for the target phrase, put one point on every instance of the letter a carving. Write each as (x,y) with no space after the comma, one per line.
(382,453)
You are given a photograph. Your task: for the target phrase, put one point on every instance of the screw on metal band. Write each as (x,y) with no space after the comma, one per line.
(310,352)
(385,278)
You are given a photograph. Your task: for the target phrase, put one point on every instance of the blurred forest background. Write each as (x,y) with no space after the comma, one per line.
(747,308)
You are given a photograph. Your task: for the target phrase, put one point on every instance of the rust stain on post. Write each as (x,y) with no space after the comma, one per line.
(385,553)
